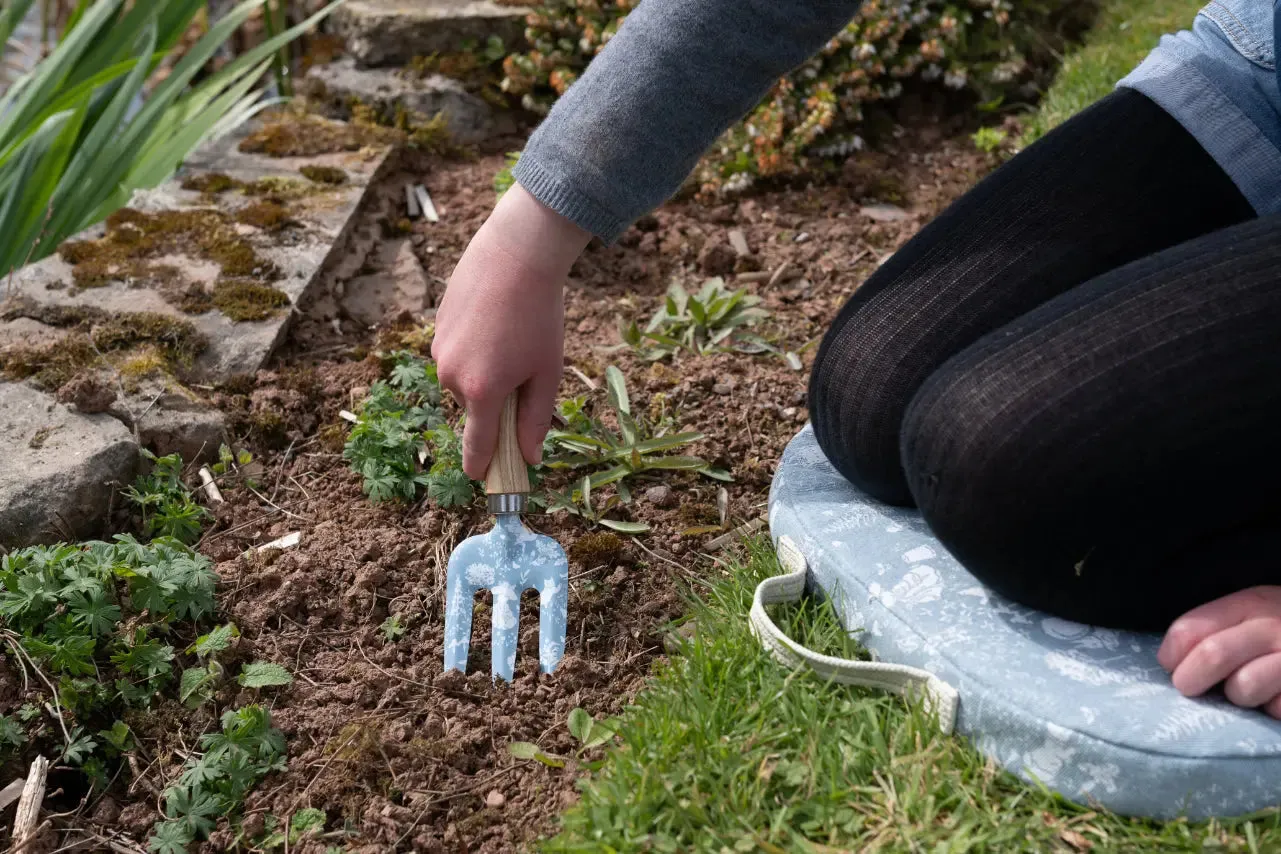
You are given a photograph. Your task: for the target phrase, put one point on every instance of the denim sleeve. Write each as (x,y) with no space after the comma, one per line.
(675,76)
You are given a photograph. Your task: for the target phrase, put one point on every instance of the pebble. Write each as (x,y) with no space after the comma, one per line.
(803,237)
(722,388)
(660,496)
(495,799)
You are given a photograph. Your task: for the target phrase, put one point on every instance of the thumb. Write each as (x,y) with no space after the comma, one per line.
(534,414)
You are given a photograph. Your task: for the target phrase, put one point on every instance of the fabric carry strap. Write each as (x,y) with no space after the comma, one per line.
(940,698)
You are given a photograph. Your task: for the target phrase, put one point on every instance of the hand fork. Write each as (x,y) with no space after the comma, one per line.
(508,560)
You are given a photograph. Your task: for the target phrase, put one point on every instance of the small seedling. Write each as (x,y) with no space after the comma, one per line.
(198,683)
(586,730)
(392,629)
(709,321)
(504,181)
(300,822)
(233,464)
(988,139)
(167,507)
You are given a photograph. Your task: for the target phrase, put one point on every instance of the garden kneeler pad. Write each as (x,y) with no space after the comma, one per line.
(1088,712)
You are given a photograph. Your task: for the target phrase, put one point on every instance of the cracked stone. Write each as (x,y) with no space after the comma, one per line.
(392,32)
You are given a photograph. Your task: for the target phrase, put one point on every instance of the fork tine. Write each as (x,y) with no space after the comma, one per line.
(505,626)
(553,611)
(460,599)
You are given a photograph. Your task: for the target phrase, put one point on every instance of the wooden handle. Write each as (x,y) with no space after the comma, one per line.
(507,474)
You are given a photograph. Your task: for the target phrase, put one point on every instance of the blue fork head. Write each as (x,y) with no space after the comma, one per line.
(508,561)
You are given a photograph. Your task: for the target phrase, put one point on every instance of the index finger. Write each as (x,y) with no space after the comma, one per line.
(480,435)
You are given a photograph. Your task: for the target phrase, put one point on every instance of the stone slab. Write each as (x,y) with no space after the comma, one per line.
(392,32)
(235,347)
(59,469)
(469,118)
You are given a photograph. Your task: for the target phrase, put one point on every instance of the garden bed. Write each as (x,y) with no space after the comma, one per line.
(398,755)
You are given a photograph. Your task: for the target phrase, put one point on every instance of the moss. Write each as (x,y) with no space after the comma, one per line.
(76,251)
(308,136)
(268,427)
(59,316)
(332,438)
(210,183)
(267,215)
(280,189)
(392,228)
(193,299)
(52,366)
(324,174)
(94,273)
(245,300)
(598,549)
(179,339)
(238,385)
(41,436)
(235,257)
(145,362)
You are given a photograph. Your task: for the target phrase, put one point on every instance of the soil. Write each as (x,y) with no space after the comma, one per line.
(399,755)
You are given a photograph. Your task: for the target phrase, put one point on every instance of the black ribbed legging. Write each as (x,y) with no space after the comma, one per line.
(1075,373)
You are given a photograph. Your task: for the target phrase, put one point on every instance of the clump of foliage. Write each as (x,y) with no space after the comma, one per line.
(93,622)
(167,506)
(589,732)
(988,139)
(79,137)
(215,784)
(398,422)
(986,46)
(639,445)
(712,319)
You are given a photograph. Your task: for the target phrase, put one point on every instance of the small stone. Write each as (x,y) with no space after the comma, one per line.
(803,237)
(660,496)
(89,393)
(738,241)
(722,388)
(789,412)
(495,799)
(618,577)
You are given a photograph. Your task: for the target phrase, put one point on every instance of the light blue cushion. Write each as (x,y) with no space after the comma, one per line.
(1086,711)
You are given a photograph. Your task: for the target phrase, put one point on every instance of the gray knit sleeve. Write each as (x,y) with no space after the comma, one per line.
(621,140)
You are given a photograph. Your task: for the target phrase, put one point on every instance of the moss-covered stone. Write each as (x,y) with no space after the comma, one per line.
(597,549)
(324,174)
(210,183)
(294,135)
(248,300)
(270,216)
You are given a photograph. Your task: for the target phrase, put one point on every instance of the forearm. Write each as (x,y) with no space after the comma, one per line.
(678,73)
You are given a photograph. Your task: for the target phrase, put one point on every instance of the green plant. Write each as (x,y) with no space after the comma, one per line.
(264,674)
(989,47)
(710,320)
(638,446)
(300,822)
(197,684)
(233,464)
(392,629)
(503,181)
(400,427)
(384,445)
(586,730)
(167,506)
(215,783)
(93,622)
(988,139)
(79,137)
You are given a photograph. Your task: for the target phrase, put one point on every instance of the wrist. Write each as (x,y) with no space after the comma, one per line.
(536,234)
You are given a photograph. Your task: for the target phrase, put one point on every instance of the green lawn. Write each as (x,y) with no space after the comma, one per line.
(1123,33)
(727,752)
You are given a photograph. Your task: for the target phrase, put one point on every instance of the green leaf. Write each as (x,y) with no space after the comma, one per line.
(171,837)
(304,820)
(216,641)
(264,674)
(617,386)
(580,724)
(625,527)
(11,732)
(528,751)
(192,685)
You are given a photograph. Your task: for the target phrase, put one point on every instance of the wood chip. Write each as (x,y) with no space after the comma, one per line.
(739,241)
(784,269)
(736,535)
(212,492)
(28,816)
(348,416)
(288,541)
(425,202)
(12,792)
(753,278)
(884,213)
(411,200)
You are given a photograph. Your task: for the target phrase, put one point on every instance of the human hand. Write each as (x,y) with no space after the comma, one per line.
(500,325)
(1235,640)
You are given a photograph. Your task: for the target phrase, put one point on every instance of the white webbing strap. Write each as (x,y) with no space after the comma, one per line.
(939,697)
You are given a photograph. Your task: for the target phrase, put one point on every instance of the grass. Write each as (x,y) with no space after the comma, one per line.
(725,751)
(1123,34)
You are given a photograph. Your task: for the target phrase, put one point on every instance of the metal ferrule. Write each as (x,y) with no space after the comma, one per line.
(503,504)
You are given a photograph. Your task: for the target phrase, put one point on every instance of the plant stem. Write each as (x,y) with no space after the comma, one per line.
(281,61)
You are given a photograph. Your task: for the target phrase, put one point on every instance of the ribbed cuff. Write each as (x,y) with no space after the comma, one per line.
(579,209)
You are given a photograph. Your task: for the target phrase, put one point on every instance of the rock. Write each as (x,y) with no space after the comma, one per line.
(469,118)
(884,213)
(400,286)
(169,421)
(660,495)
(89,393)
(722,388)
(686,632)
(392,32)
(495,799)
(717,259)
(59,469)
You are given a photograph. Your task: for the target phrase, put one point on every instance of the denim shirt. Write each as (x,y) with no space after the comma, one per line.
(1220,81)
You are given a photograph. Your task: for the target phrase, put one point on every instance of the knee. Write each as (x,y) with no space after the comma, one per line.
(858,391)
